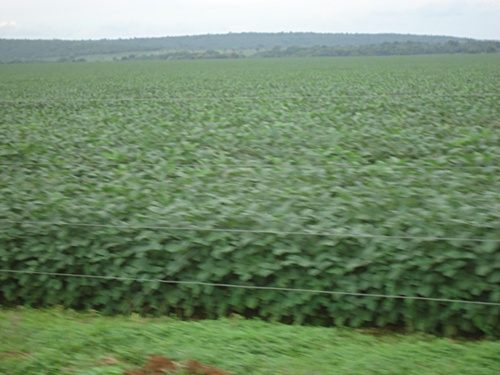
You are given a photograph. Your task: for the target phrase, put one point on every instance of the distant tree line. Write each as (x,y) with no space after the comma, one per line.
(240,45)
(182,55)
(384,49)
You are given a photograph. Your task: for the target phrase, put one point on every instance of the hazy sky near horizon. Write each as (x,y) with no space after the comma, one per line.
(97,19)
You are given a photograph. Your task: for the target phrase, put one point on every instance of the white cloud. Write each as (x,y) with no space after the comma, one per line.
(8,24)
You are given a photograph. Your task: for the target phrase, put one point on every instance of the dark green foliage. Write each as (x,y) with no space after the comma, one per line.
(400,48)
(382,49)
(262,44)
(328,163)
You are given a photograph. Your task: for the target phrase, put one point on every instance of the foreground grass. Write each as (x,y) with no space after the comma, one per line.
(66,342)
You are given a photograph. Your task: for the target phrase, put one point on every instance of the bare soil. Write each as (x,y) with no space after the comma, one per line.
(159,365)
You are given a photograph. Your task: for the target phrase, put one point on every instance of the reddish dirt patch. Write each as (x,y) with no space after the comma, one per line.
(156,365)
(196,368)
(159,365)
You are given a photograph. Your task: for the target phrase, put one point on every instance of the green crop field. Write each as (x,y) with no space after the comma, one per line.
(355,175)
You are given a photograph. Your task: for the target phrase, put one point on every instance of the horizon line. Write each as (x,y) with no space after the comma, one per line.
(246,32)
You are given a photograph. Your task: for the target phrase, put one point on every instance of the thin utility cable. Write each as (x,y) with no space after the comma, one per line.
(252,287)
(226,230)
(263,166)
(231,98)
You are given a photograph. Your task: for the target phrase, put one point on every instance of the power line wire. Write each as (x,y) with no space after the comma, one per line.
(250,97)
(227,230)
(263,166)
(253,287)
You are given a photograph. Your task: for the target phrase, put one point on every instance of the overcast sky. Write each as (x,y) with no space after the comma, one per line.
(96,19)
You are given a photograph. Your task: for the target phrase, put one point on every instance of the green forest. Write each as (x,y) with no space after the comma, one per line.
(239,45)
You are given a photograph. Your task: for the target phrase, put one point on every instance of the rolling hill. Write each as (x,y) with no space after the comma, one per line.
(17,50)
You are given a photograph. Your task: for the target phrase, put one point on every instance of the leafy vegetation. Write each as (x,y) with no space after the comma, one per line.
(241,45)
(384,49)
(97,345)
(386,147)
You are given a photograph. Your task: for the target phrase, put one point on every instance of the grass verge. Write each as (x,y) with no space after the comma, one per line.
(57,341)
